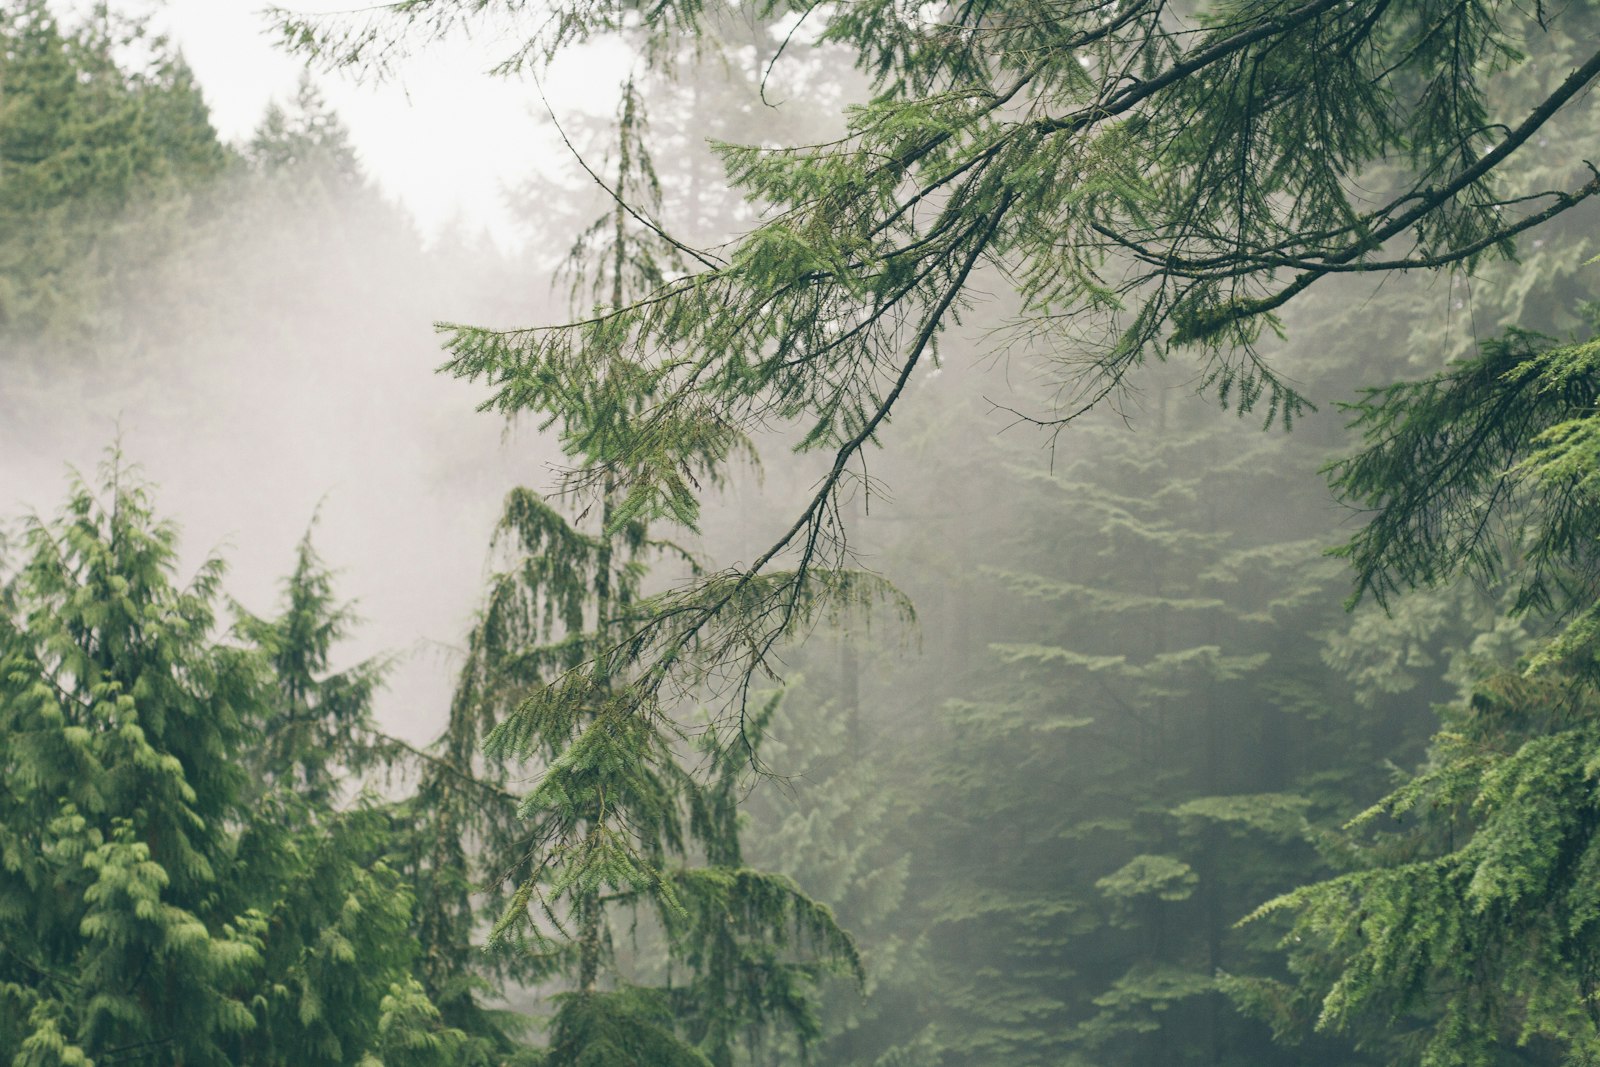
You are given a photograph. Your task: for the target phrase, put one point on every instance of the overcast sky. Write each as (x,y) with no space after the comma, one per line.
(445,139)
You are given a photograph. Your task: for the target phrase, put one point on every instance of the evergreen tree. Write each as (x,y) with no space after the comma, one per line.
(104,143)
(172,888)
(1461,921)
(322,717)
(618,823)
(836,822)
(306,143)
(1172,739)
(121,715)
(1464,933)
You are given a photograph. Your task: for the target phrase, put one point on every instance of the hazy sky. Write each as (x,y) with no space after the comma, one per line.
(446,139)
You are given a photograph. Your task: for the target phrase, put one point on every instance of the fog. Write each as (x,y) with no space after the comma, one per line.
(284,370)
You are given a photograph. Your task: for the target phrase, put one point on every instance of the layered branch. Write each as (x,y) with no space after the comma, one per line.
(1147,176)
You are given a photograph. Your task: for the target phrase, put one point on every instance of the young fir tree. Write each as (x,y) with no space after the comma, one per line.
(619,825)
(339,940)
(323,716)
(172,889)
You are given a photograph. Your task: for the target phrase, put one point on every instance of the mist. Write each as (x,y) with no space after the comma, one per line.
(280,372)
(1093,799)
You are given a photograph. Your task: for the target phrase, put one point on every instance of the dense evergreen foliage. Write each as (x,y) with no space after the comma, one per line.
(1147,795)
(101,159)
(178,884)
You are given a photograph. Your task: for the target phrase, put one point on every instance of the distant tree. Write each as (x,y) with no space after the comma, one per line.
(305,143)
(323,716)
(1120,739)
(104,140)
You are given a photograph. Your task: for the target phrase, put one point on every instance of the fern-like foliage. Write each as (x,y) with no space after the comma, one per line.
(1471,922)
(1489,469)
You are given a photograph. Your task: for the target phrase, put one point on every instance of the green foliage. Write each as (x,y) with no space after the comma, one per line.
(305,143)
(1458,933)
(121,714)
(1122,737)
(834,820)
(622,1026)
(324,716)
(1163,877)
(1470,922)
(617,822)
(104,142)
(1487,468)
(175,881)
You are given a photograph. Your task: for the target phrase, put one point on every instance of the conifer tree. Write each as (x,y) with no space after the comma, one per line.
(1172,740)
(836,823)
(121,716)
(338,957)
(1464,932)
(1121,734)
(1458,931)
(647,839)
(323,716)
(172,889)
(306,141)
(618,823)
(101,155)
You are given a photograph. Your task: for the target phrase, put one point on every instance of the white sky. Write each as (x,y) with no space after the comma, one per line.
(445,139)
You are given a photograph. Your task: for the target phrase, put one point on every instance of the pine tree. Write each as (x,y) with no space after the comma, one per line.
(305,138)
(338,956)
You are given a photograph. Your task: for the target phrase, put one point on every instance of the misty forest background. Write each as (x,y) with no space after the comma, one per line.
(1036,826)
